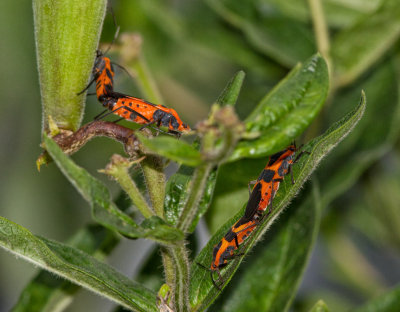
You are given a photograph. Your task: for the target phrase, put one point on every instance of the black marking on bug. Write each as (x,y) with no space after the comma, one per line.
(158,114)
(230,236)
(99,66)
(253,202)
(174,123)
(166,119)
(283,169)
(275,157)
(133,116)
(267,175)
(227,254)
(216,248)
(108,89)
(109,74)
(109,103)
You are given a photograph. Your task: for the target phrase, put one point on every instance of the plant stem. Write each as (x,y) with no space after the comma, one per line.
(321,31)
(153,170)
(196,190)
(182,271)
(168,267)
(118,169)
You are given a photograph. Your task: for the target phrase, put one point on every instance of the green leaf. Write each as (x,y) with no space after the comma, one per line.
(280,37)
(355,49)
(67,34)
(171,148)
(388,302)
(286,111)
(157,229)
(230,196)
(286,251)
(176,194)
(46,292)
(76,266)
(202,291)
(104,210)
(320,306)
(231,92)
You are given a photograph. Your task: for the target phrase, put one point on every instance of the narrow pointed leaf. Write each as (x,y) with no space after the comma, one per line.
(104,210)
(231,92)
(286,111)
(76,266)
(202,290)
(171,148)
(378,31)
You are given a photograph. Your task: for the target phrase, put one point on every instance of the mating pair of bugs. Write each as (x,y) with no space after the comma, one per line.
(128,107)
(258,207)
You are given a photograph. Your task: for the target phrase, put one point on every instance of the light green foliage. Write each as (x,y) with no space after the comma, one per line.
(75,266)
(67,34)
(286,111)
(169,147)
(44,293)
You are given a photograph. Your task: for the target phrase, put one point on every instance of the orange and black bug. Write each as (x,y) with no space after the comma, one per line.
(103,72)
(144,113)
(264,190)
(278,166)
(236,235)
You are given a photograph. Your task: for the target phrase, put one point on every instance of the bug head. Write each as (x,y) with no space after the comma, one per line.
(184,127)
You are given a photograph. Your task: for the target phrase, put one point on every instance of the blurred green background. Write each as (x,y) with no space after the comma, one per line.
(192,49)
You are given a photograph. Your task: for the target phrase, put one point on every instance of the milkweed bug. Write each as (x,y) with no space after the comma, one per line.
(125,106)
(278,166)
(236,235)
(143,112)
(103,72)
(261,197)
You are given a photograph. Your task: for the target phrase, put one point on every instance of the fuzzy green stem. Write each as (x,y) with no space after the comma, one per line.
(118,169)
(321,31)
(153,170)
(66,35)
(182,272)
(196,190)
(168,267)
